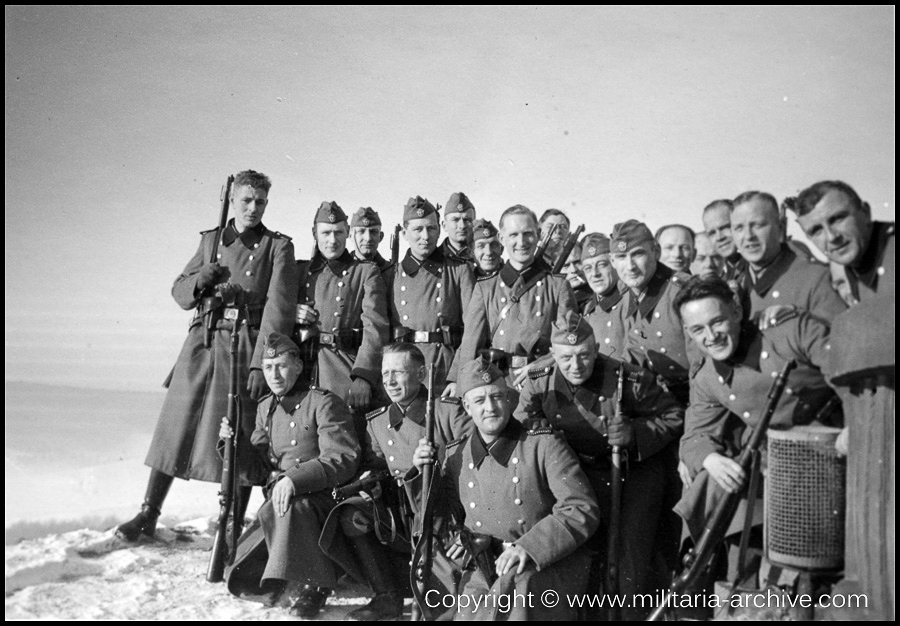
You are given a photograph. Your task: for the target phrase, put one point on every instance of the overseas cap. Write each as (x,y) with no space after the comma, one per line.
(593,245)
(483,229)
(478,373)
(278,344)
(417,208)
(458,203)
(330,213)
(571,330)
(629,234)
(365,216)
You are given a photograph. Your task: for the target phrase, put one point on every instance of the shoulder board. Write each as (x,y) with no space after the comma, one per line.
(373,414)
(697,366)
(635,376)
(679,278)
(451,400)
(211,230)
(452,444)
(540,373)
(279,235)
(544,430)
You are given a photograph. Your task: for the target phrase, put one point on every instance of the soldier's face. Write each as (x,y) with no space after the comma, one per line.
(559,235)
(637,266)
(489,408)
(519,236)
(600,274)
(838,229)
(401,379)
(487,253)
(281,372)
(756,228)
(367,239)
(422,235)
(459,226)
(676,249)
(249,205)
(708,262)
(575,363)
(331,239)
(572,269)
(714,325)
(717,222)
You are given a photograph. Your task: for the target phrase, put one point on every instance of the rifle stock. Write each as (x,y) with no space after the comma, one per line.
(567,248)
(544,242)
(211,317)
(422,567)
(700,556)
(395,245)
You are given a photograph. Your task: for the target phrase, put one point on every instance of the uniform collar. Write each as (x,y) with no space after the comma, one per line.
(585,394)
(415,412)
(379,261)
(292,398)
(337,266)
(653,293)
(249,237)
(747,353)
(530,275)
(502,448)
(451,252)
(432,264)
(867,272)
(610,300)
(773,271)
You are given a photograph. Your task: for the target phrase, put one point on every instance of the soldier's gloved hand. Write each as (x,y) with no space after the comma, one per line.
(360,394)
(225,431)
(282,494)
(726,472)
(449,391)
(842,443)
(256,385)
(620,432)
(306,314)
(512,556)
(209,275)
(424,454)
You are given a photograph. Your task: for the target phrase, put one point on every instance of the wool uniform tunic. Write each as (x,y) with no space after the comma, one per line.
(262,263)
(606,315)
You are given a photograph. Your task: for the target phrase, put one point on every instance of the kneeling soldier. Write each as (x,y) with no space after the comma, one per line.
(521,502)
(304,445)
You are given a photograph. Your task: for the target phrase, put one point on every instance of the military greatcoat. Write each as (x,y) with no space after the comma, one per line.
(427,307)
(262,263)
(351,299)
(527,489)
(308,436)
(728,397)
(606,315)
(875,273)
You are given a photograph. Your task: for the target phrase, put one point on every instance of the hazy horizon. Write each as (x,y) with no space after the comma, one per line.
(123,122)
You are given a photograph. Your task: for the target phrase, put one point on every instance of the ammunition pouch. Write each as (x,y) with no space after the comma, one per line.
(483,552)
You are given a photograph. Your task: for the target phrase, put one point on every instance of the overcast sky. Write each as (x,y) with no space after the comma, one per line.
(123,123)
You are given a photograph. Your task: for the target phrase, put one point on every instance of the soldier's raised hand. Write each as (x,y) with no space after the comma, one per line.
(282,494)
(424,454)
(209,275)
(256,385)
(449,391)
(225,431)
(512,556)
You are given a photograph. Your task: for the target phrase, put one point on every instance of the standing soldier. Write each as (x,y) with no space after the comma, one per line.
(459,214)
(487,251)
(605,312)
(574,273)
(677,245)
(717,222)
(430,291)
(367,233)
(775,274)
(707,260)
(345,302)
(260,264)
(579,396)
(549,219)
(511,313)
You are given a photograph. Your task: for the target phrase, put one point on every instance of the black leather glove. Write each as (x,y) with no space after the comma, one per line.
(256,384)
(209,275)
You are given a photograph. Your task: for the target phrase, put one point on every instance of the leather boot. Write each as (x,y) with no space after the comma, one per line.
(144,523)
(375,562)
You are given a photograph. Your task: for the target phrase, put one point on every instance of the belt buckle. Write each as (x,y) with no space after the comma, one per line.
(421,336)
(230,313)
(326,339)
(517,362)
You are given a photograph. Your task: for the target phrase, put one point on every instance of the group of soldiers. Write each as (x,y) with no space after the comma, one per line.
(537,379)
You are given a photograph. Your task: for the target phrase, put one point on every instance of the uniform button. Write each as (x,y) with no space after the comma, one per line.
(403,274)
(503,300)
(296,407)
(390,458)
(396,471)
(340,284)
(606,340)
(520,522)
(471,485)
(293,424)
(438,299)
(471,466)
(337,299)
(774,374)
(251,257)
(471,505)
(880,271)
(517,501)
(539,283)
(402,287)
(256,245)
(502,332)
(609,324)
(764,354)
(293,442)
(503,316)
(538,314)
(828,346)
(274,460)
(537,298)
(722,380)
(439,285)
(663,350)
(746,415)
(307,284)
(405,317)
(403,303)
(390,442)
(637,332)
(389,426)
(267,429)
(478,524)
(732,397)
(344,273)
(659,333)
(249,273)
(558,416)
(336,313)
(219,255)
(656,315)
(515,460)
(515,479)
(775,294)
(601,398)
(789,391)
